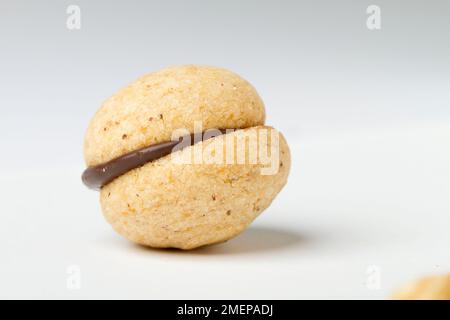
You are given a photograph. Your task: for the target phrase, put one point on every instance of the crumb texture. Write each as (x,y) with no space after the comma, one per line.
(166,204)
(428,288)
(148,110)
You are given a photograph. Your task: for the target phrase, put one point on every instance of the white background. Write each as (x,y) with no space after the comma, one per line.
(366,114)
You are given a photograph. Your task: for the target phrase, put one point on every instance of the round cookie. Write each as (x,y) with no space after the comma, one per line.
(185,204)
(165,204)
(148,110)
(435,287)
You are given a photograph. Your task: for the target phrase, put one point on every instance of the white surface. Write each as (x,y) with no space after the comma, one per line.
(356,199)
(368,186)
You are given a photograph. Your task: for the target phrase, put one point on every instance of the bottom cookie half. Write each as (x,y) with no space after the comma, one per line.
(174,203)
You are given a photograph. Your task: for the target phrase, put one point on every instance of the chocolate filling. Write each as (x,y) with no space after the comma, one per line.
(96,177)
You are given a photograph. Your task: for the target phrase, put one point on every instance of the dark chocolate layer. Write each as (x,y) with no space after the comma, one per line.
(96,177)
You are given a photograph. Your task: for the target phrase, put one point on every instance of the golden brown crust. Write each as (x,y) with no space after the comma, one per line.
(428,288)
(151,108)
(166,204)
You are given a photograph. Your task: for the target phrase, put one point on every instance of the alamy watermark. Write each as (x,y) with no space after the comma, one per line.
(373,277)
(373,21)
(259,147)
(73,280)
(73,21)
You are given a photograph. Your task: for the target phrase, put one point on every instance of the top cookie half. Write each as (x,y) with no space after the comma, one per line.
(148,110)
